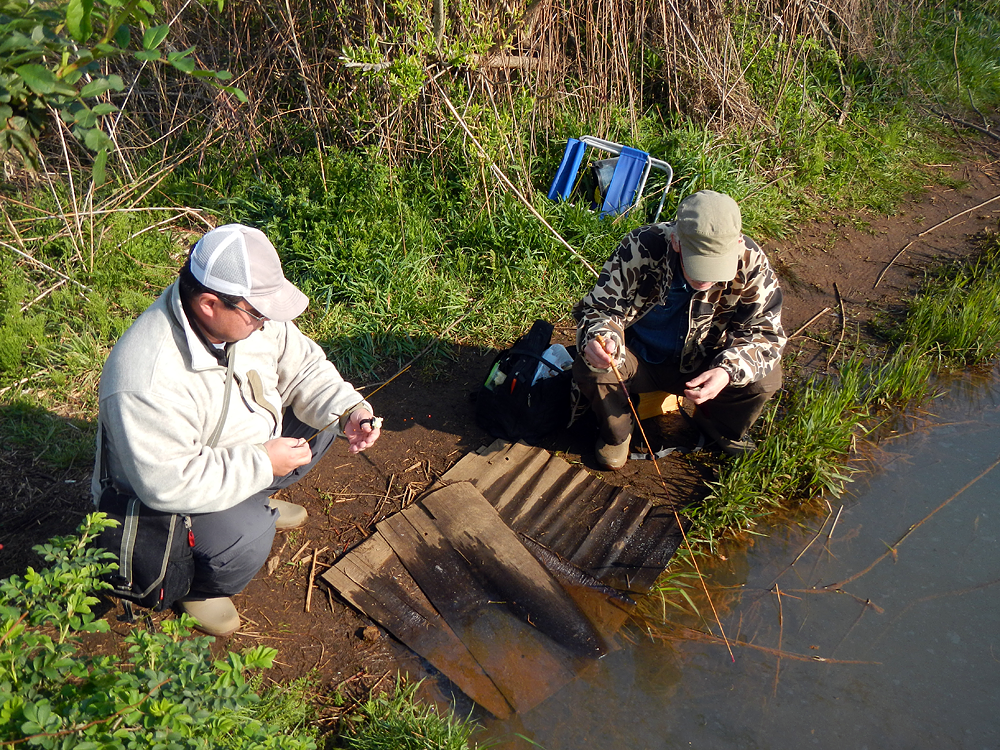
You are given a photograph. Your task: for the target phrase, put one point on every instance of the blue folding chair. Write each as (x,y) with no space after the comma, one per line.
(631,170)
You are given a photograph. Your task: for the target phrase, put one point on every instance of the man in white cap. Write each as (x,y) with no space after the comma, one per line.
(206,405)
(690,307)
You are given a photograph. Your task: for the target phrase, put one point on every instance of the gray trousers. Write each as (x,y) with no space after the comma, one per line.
(732,412)
(230,546)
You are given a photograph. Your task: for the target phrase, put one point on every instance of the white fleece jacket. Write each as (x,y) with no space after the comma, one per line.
(161,397)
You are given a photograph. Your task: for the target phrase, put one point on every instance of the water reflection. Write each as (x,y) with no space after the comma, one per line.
(884,633)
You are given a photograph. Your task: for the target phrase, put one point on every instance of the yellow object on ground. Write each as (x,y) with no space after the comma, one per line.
(656,403)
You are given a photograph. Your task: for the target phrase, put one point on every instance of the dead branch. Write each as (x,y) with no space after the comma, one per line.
(809,322)
(928,231)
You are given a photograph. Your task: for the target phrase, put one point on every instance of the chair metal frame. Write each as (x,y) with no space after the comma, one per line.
(573,157)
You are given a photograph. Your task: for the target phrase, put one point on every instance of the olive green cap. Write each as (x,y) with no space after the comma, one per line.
(709,227)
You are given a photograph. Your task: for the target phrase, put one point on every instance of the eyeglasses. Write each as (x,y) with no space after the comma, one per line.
(255,316)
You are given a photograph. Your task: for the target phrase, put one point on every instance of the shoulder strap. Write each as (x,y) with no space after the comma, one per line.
(105,476)
(231,356)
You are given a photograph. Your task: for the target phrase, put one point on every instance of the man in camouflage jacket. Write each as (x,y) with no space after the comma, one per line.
(690,307)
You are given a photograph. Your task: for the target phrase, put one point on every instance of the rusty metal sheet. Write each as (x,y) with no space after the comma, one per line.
(526,666)
(371,578)
(620,539)
(506,567)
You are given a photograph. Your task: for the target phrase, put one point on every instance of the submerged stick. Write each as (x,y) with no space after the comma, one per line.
(693,634)
(914,527)
(802,552)
(677,517)
(781,632)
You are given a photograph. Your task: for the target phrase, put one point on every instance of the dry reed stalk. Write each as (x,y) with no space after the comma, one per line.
(305,83)
(504,179)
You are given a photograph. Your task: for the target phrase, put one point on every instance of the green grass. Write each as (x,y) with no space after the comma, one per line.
(806,437)
(403,723)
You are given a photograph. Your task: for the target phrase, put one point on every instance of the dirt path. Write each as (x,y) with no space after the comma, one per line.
(429,424)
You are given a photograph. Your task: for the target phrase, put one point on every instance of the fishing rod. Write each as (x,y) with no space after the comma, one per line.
(374,421)
(663,482)
(377,421)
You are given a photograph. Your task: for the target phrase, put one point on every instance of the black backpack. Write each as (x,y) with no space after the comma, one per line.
(153,548)
(511,403)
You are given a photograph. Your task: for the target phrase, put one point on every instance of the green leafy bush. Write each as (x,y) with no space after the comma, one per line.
(53,61)
(168,693)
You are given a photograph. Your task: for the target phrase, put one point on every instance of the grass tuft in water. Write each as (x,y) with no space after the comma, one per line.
(402,723)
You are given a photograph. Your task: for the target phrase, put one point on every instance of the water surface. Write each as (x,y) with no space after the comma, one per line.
(903,653)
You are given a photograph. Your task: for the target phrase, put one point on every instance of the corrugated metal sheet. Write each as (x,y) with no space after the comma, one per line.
(437,600)
(622,540)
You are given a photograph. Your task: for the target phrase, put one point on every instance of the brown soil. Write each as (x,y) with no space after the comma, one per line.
(429,425)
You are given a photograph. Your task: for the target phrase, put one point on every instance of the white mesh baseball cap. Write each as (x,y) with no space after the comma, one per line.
(238,260)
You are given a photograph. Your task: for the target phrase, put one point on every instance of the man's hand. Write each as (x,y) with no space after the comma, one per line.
(706,386)
(287,454)
(600,353)
(362,430)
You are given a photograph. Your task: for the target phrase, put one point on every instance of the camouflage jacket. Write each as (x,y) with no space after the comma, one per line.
(735,325)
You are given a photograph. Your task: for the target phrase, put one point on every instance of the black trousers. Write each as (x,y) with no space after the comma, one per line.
(732,412)
(232,545)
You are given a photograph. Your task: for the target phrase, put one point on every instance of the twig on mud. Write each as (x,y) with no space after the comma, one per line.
(809,322)
(378,682)
(385,497)
(312,576)
(928,231)
(300,551)
(843,324)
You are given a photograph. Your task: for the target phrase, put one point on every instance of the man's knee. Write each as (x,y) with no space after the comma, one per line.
(229,571)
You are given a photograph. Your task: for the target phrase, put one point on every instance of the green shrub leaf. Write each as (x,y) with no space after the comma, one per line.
(123,36)
(154,37)
(96,139)
(100,163)
(39,79)
(97,87)
(78,14)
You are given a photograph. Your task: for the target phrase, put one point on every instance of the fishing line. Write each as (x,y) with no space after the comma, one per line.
(379,423)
